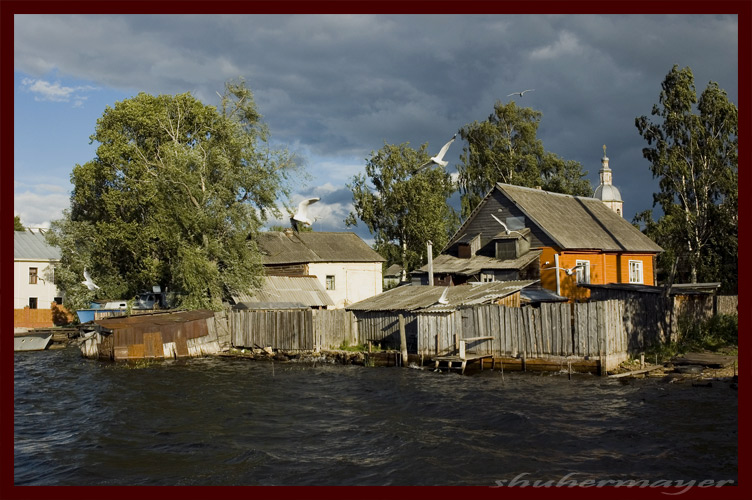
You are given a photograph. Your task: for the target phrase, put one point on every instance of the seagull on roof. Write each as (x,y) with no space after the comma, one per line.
(301,216)
(89,283)
(506,229)
(439,158)
(520,93)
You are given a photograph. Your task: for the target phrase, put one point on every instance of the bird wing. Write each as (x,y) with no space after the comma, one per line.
(499,221)
(513,93)
(302,213)
(443,298)
(444,149)
(86,275)
(304,204)
(528,90)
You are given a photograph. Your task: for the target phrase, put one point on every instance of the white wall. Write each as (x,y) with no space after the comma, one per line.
(353,281)
(45,291)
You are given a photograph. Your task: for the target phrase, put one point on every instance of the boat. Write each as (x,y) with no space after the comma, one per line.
(29,340)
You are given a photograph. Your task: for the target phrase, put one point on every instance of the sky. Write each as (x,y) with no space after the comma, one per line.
(335,88)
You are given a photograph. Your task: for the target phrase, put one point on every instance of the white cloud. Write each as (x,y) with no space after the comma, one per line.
(566,44)
(37,209)
(55,92)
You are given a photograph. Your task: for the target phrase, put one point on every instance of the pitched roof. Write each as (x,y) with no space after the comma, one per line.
(305,290)
(32,246)
(578,222)
(421,297)
(278,247)
(446,263)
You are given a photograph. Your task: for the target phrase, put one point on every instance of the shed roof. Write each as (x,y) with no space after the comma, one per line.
(28,245)
(419,297)
(278,247)
(306,290)
(160,318)
(676,289)
(578,222)
(450,264)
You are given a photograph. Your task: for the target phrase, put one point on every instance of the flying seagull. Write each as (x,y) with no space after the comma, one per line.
(443,299)
(520,93)
(301,216)
(506,229)
(89,284)
(570,271)
(439,158)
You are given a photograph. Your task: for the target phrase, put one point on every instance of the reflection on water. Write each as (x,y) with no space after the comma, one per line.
(237,422)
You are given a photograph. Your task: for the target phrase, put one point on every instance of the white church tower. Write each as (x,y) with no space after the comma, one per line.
(606,191)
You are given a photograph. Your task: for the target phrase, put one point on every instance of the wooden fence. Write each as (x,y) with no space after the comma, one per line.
(583,330)
(291,330)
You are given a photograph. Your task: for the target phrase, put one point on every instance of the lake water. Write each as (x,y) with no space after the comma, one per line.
(221,421)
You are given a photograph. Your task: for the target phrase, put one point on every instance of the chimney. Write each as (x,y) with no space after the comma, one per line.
(288,232)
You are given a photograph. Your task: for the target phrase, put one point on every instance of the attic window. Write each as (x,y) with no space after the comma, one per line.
(330,282)
(33,277)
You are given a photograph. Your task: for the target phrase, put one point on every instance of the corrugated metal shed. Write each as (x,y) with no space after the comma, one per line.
(450,264)
(279,247)
(32,246)
(538,295)
(306,290)
(426,298)
(676,289)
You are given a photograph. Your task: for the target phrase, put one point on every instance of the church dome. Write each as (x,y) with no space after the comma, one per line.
(607,192)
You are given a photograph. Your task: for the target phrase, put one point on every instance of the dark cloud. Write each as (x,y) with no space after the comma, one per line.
(339,86)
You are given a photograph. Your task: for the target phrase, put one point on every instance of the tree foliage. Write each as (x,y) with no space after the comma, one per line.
(693,151)
(171,198)
(404,209)
(17,225)
(505,148)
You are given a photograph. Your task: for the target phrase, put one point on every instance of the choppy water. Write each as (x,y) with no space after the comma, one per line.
(238,422)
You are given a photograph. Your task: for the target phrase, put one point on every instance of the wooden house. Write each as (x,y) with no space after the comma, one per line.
(347,268)
(562,240)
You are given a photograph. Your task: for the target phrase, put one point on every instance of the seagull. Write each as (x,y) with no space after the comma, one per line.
(443,299)
(520,93)
(506,229)
(301,216)
(570,271)
(439,158)
(89,284)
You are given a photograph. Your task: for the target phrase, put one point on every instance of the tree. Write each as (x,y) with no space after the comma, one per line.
(404,209)
(173,197)
(694,154)
(505,148)
(17,226)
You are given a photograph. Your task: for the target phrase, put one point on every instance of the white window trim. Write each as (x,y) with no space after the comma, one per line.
(638,269)
(583,271)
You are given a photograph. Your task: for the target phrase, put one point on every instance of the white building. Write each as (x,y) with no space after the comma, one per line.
(348,269)
(606,191)
(34,264)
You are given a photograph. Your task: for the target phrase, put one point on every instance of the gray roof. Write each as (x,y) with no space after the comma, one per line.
(537,295)
(578,222)
(426,298)
(393,270)
(33,246)
(278,247)
(676,288)
(306,290)
(450,264)
(607,192)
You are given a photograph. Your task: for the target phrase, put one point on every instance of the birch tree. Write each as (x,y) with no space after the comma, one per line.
(403,209)
(693,151)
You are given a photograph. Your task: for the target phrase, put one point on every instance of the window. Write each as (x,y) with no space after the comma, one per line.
(487,276)
(635,271)
(330,282)
(33,276)
(583,271)
(32,302)
(59,301)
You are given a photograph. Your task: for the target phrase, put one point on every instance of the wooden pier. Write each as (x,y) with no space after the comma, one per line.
(464,356)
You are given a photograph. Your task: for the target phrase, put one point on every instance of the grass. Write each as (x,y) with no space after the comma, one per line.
(718,334)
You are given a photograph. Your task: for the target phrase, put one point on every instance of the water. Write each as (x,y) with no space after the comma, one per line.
(218,421)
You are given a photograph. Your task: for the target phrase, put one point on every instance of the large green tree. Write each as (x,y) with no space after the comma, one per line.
(173,197)
(505,148)
(17,225)
(404,209)
(693,151)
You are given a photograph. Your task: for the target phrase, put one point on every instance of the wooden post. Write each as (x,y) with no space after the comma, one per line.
(642,360)
(403,339)
(429,249)
(524,367)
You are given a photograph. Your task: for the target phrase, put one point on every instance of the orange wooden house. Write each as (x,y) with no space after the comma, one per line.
(559,239)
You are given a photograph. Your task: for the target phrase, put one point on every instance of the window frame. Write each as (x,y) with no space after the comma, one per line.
(636,267)
(330,282)
(582,274)
(33,276)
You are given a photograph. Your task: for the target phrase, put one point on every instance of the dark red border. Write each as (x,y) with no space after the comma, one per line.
(743,8)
